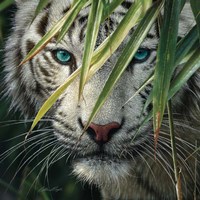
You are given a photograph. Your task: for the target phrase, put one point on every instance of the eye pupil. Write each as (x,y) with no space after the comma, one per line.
(63,56)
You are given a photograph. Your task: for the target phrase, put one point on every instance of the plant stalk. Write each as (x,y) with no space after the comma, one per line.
(174,152)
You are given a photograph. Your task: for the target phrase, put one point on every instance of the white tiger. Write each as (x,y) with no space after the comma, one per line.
(106,154)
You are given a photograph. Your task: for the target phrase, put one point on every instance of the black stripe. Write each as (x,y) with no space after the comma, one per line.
(151,36)
(83,19)
(28,105)
(64,124)
(48,6)
(82,33)
(157,30)
(38,87)
(29,46)
(153,61)
(66,10)
(71,31)
(42,25)
(19,56)
(43,70)
(126,4)
(121,13)
(143,96)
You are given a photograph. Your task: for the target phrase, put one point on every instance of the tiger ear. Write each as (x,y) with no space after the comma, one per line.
(186,21)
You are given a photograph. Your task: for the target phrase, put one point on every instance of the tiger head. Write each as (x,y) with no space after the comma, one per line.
(115,151)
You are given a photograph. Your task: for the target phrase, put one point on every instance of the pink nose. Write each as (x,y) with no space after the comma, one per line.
(102,133)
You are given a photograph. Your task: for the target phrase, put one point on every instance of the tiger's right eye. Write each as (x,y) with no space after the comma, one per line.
(62,56)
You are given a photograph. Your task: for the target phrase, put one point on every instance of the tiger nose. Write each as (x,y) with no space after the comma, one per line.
(102,133)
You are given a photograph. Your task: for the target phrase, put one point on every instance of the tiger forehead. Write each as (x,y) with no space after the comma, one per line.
(59,7)
(76,33)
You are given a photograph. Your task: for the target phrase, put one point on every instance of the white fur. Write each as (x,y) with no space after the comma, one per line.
(119,173)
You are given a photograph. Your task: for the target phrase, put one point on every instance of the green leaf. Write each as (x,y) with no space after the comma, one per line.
(185,44)
(112,42)
(93,25)
(146,82)
(53,98)
(5,4)
(71,19)
(183,49)
(174,152)
(126,56)
(165,61)
(195,4)
(41,5)
(100,55)
(109,8)
(192,65)
(188,70)
(50,34)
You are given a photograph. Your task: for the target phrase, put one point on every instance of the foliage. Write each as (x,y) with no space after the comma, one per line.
(143,13)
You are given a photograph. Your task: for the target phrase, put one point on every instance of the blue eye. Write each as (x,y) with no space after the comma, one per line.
(142,55)
(62,56)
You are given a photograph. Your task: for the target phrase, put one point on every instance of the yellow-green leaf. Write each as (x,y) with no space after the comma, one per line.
(126,56)
(41,5)
(71,19)
(195,4)
(53,98)
(100,55)
(165,61)
(93,25)
(50,34)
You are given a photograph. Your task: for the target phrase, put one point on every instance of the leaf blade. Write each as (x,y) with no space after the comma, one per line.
(50,34)
(93,25)
(124,59)
(165,62)
(53,98)
(41,5)
(195,5)
(132,17)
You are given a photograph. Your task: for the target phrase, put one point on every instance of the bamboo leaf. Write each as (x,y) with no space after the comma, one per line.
(188,70)
(6,3)
(192,65)
(109,8)
(165,62)
(50,34)
(99,57)
(146,82)
(41,5)
(93,25)
(195,4)
(105,50)
(126,56)
(185,44)
(70,19)
(52,99)
(184,48)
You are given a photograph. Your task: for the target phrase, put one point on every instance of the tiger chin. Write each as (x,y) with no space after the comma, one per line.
(112,154)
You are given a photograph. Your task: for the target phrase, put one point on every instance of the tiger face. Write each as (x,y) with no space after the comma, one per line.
(111,153)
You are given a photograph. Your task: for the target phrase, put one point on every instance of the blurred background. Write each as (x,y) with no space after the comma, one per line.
(18,181)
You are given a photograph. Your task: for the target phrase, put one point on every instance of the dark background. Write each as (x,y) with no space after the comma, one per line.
(59,185)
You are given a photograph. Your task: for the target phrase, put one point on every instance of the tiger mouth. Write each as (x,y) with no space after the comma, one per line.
(101,155)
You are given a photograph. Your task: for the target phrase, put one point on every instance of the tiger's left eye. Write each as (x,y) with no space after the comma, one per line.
(62,56)
(142,55)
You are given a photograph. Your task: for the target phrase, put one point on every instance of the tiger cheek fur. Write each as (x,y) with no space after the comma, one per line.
(111,154)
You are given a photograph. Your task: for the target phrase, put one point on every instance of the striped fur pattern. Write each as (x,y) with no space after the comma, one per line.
(123,167)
